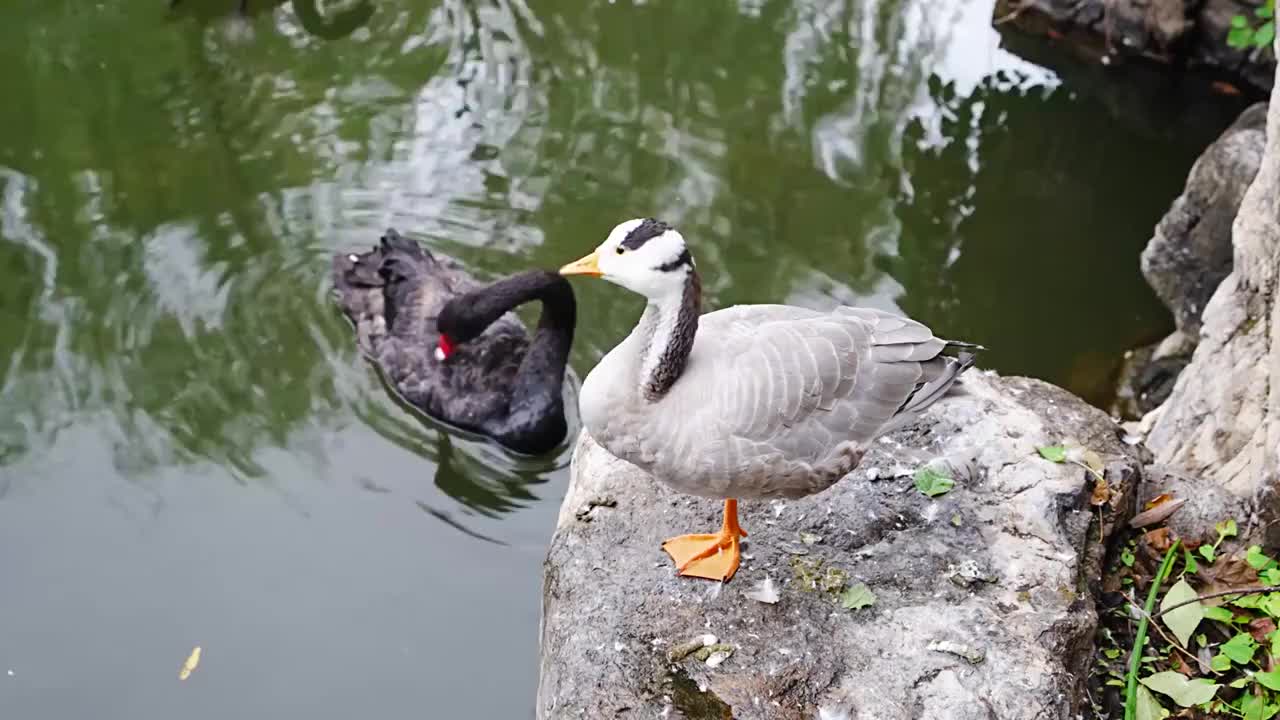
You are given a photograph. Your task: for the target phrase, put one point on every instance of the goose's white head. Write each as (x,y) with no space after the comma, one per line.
(643,255)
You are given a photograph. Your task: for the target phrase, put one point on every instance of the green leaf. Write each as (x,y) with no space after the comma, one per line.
(1148,707)
(1248,601)
(857,596)
(1127,557)
(1111,653)
(1257,560)
(1190,561)
(1184,620)
(1269,680)
(1219,614)
(932,482)
(1053,453)
(1265,34)
(1220,663)
(1183,691)
(1266,11)
(1226,529)
(1275,643)
(1270,604)
(1252,706)
(1240,37)
(1239,21)
(1206,551)
(1271,576)
(1239,648)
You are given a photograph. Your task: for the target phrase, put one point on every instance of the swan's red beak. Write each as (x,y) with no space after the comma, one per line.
(445,347)
(589,265)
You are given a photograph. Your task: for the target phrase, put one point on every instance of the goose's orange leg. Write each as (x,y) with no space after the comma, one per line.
(714,557)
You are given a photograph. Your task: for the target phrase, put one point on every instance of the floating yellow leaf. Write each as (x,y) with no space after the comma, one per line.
(190,665)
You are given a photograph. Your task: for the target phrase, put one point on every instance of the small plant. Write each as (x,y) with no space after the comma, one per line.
(1244,35)
(1221,651)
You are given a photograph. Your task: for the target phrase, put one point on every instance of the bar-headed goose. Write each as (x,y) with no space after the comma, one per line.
(753,401)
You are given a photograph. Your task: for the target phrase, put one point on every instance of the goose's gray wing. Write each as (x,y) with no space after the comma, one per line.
(797,385)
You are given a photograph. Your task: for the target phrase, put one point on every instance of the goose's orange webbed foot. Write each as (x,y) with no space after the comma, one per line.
(714,557)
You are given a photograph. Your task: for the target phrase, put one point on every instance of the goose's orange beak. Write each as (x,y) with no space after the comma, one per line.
(588,265)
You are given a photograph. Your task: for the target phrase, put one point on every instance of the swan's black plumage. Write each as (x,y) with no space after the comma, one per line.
(497,381)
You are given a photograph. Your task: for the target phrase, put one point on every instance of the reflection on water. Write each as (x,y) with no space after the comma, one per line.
(477,473)
(339,24)
(190,443)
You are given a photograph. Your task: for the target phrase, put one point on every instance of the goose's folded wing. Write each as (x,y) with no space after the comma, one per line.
(799,383)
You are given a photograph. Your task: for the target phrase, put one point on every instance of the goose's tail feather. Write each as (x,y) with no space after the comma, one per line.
(939,378)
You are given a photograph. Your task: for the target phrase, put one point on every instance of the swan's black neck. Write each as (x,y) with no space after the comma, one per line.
(544,364)
(536,409)
(673,324)
(467,315)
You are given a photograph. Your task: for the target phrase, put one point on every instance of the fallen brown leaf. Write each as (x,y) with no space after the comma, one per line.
(1101,492)
(1224,88)
(1182,666)
(1228,573)
(1260,628)
(1156,513)
(1158,539)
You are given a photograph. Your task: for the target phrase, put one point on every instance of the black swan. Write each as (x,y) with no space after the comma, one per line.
(450,347)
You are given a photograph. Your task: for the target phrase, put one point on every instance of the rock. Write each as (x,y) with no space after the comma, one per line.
(1221,424)
(1188,257)
(1172,31)
(1190,252)
(982,596)
(1192,521)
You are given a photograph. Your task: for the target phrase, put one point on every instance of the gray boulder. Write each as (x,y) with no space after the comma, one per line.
(1191,251)
(982,596)
(1221,424)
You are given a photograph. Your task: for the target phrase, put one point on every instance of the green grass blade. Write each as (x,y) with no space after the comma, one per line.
(1135,657)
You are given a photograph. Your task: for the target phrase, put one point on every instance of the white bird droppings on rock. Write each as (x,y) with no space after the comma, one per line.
(972,654)
(832,714)
(764,592)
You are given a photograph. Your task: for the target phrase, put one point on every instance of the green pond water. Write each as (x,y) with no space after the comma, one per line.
(192,452)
